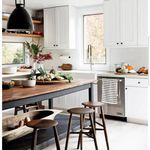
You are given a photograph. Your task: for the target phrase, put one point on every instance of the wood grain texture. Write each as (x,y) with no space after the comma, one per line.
(18,93)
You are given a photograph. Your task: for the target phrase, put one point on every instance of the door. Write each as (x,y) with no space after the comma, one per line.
(49,28)
(62,27)
(136,103)
(111,23)
(128,22)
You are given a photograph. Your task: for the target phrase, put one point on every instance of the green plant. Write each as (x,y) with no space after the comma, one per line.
(34,49)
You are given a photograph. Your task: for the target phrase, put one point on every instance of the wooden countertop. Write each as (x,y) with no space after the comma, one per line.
(17,93)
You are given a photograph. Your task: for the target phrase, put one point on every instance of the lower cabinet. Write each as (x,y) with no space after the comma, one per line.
(136,100)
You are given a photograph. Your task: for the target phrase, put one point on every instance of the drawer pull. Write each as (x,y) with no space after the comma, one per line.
(139,82)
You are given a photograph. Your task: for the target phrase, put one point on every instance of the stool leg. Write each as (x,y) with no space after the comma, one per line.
(79,140)
(16,111)
(33,146)
(81,131)
(56,138)
(94,119)
(93,130)
(104,125)
(68,132)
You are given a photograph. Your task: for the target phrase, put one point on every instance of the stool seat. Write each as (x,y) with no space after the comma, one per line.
(38,124)
(92,104)
(41,124)
(80,110)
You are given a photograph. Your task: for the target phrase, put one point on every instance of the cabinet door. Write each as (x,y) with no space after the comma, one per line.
(111,23)
(49,28)
(143,23)
(62,27)
(128,23)
(136,103)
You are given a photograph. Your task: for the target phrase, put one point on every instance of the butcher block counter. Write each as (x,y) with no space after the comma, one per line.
(18,96)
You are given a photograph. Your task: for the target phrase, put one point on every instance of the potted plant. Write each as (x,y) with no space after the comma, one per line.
(36,53)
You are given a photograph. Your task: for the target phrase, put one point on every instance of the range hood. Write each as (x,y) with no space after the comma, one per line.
(20,20)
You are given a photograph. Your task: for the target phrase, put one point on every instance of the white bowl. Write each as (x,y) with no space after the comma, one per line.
(28,83)
(9,70)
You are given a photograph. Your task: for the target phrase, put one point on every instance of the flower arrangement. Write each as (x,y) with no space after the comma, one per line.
(35,51)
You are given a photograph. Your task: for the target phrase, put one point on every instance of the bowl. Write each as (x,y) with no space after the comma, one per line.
(28,83)
(9,70)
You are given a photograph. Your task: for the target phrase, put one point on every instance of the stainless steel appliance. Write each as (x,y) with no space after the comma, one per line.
(117,109)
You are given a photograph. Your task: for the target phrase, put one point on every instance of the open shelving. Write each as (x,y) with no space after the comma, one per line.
(37,22)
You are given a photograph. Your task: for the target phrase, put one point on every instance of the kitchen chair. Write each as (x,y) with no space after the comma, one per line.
(43,124)
(95,105)
(82,112)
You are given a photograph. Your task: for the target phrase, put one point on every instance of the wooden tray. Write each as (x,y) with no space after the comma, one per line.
(51,82)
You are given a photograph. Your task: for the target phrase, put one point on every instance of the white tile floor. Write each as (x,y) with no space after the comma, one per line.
(122,136)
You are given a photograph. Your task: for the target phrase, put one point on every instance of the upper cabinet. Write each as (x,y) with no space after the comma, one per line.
(125,23)
(59,27)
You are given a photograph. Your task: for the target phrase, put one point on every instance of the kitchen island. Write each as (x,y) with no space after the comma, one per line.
(18,96)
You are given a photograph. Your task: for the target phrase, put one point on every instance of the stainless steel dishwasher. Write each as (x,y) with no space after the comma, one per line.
(113,110)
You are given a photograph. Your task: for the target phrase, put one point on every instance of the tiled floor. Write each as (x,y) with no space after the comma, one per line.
(122,136)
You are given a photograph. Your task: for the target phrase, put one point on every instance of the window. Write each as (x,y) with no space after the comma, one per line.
(13,53)
(94,51)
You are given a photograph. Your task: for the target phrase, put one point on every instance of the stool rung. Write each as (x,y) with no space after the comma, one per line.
(99,123)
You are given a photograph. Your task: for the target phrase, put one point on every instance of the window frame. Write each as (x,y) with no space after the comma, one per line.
(91,14)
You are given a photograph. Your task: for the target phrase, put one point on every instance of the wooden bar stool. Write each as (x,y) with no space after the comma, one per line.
(95,105)
(82,112)
(43,124)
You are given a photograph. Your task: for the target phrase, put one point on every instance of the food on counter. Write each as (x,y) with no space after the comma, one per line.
(118,70)
(25,67)
(143,70)
(8,84)
(125,68)
(129,67)
(53,76)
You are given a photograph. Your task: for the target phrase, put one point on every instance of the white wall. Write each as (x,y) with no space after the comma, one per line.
(136,57)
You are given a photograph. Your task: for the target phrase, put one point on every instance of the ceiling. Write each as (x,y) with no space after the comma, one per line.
(39,4)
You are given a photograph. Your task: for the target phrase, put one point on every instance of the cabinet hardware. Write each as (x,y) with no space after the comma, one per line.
(56,45)
(121,43)
(139,82)
(117,43)
(126,88)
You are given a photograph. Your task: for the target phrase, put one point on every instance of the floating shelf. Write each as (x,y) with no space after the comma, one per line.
(22,35)
(34,21)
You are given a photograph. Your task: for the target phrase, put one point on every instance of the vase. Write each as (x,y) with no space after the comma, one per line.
(40,65)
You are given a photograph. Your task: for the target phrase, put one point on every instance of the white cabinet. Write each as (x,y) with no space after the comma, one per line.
(120,23)
(125,23)
(143,23)
(60,27)
(111,23)
(136,100)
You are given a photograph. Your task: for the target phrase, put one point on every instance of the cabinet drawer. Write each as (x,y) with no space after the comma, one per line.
(136,82)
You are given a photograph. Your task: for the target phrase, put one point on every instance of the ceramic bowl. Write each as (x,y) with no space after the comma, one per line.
(9,70)
(28,83)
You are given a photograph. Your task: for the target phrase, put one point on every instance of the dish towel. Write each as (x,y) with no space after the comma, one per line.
(109,91)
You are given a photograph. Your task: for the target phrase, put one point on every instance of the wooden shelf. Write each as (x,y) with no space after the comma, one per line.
(34,21)
(22,35)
